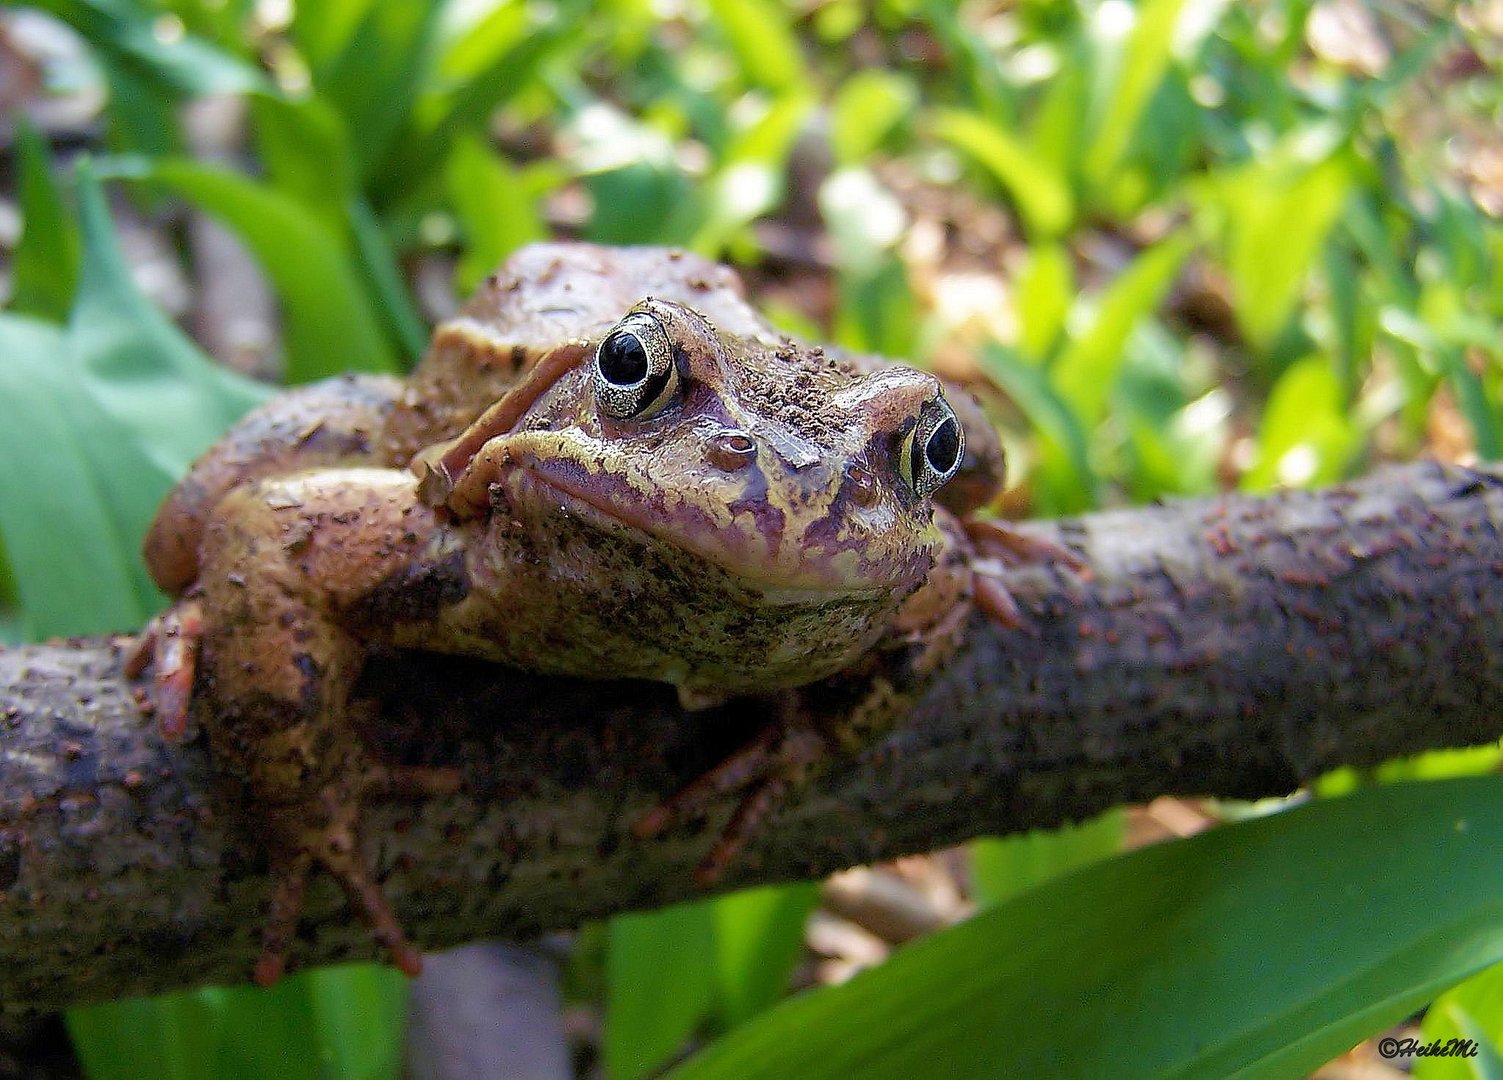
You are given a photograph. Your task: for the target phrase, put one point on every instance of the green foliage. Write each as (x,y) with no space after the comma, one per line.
(1229,261)
(344,1022)
(1258,949)
(672,972)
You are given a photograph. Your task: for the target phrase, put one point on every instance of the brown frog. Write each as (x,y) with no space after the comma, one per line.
(607,465)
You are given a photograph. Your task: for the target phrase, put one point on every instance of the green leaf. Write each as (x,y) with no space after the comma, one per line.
(445,112)
(49,489)
(1306,437)
(342,1022)
(1042,196)
(660,973)
(1029,386)
(323,29)
(45,266)
(126,34)
(866,108)
(383,277)
(1046,289)
(1002,868)
(1472,1011)
(1143,63)
(767,51)
(156,402)
(494,208)
(375,78)
(1273,216)
(1087,367)
(1187,959)
(331,324)
(759,940)
(307,154)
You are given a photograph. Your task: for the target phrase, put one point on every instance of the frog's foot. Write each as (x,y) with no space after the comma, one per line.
(169,645)
(1002,546)
(335,847)
(779,756)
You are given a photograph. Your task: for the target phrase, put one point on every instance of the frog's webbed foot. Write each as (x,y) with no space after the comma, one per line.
(169,646)
(1001,547)
(763,769)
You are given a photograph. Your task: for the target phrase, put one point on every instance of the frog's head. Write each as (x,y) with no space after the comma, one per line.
(781,466)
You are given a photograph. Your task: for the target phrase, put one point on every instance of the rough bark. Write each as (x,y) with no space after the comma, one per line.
(1233,647)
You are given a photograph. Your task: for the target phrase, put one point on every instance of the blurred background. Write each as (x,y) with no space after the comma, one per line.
(1175,246)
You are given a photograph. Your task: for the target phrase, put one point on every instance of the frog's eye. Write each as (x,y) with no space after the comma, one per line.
(933,449)
(635,376)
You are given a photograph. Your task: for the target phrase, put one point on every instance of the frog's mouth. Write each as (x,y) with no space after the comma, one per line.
(755,556)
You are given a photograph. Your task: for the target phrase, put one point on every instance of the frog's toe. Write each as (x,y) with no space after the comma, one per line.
(999,540)
(290,882)
(763,770)
(169,646)
(339,853)
(334,847)
(996,601)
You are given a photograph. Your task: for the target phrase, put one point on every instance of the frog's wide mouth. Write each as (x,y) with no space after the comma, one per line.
(757,565)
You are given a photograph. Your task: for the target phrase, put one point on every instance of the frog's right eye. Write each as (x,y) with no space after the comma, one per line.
(635,376)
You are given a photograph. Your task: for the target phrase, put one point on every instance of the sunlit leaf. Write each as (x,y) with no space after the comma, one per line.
(866,108)
(1045,291)
(1087,367)
(1004,867)
(494,209)
(1273,216)
(759,938)
(1144,57)
(1471,1012)
(660,970)
(1042,196)
(1306,437)
(1187,959)
(762,40)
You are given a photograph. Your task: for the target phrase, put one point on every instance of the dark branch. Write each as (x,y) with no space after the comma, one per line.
(1235,648)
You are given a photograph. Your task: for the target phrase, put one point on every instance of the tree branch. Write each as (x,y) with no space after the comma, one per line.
(1234,647)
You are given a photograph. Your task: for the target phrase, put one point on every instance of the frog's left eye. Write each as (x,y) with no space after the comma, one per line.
(635,376)
(932,451)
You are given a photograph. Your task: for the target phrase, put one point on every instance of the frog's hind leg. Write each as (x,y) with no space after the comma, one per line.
(1004,548)
(333,845)
(763,769)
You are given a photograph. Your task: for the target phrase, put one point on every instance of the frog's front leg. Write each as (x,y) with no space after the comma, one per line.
(284,564)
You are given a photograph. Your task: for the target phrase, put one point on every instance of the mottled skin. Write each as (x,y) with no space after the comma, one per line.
(763,522)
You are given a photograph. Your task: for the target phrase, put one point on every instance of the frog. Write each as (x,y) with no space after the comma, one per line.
(607,464)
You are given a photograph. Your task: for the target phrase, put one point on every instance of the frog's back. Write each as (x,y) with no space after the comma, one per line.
(543,296)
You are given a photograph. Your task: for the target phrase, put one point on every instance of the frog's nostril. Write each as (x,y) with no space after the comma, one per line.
(863,485)
(731,450)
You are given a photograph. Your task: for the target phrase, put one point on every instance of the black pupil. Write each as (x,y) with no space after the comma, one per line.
(943,447)
(623,361)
